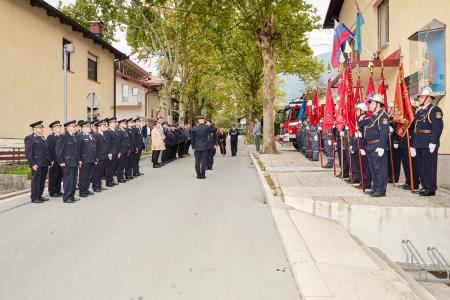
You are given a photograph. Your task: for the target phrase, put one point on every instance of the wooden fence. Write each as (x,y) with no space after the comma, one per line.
(10,155)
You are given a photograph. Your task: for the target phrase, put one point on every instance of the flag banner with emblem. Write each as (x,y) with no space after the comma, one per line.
(342,111)
(328,119)
(351,119)
(370,91)
(403,113)
(315,109)
(382,90)
(357,95)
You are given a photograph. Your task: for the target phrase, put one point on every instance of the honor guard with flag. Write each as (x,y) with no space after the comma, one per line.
(428,125)
(377,135)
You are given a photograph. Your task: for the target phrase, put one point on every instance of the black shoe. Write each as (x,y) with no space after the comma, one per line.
(68,201)
(406,186)
(203,177)
(75,199)
(110,184)
(115,183)
(55,195)
(327,166)
(129,177)
(378,194)
(83,195)
(370,192)
(419,191)
(90,193)
(427,193)
(43,198)
(348,180)
(121,181)
(103,189)
(37,201)
(156,166)
(366,187)
(60,194)
(98,190)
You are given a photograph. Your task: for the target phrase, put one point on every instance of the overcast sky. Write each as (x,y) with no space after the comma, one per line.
(320,40)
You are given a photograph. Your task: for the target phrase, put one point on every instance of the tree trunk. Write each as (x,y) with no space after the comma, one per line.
(266,42)
(164,102)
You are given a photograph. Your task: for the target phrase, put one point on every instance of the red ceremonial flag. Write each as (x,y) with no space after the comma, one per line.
(357,95)
(382,90)
(328,119)
(403,113)
(341,114)
(308,112)
(315,109)
(370,90)
(351,119)
(321,111)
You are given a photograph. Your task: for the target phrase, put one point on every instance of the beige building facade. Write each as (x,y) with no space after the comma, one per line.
(32,79)
(415,30)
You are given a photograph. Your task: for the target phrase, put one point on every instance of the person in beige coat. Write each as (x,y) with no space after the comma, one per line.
(157,144)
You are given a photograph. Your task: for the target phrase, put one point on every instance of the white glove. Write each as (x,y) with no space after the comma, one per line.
(413,152)
(380,151)
(358,134)
(351,149)
(307,127)
(362,151)
(432,147)
(329,142)
(316,138)
(319,128)
(341,133)
(395,146)
(391,130)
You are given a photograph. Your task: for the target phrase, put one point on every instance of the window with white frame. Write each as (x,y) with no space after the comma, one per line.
(124,93)
(383,23)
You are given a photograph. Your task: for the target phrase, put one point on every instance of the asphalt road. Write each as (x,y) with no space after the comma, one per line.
(164,235)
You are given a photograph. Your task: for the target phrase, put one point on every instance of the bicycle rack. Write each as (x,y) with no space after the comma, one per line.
(414,258)
(439,262)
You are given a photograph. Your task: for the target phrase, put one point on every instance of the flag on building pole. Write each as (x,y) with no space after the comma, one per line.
(328,119)
(342,35)
(359,22)
(382,89)
(403,113)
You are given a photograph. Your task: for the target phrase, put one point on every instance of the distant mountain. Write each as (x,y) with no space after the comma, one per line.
(293,86)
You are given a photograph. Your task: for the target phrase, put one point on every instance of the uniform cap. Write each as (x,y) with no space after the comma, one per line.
(137,119)
(121,121)
(70,123)
(200,117)
(84,123)
(55,123)
(378,98)
(130,120)
(80,122)
(110,120)
(36,124)
(362,106)
(426,91)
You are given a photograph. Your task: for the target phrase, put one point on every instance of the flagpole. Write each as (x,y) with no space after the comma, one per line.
(342,157)
(334,150)
(390,139)
(361,173)
(319,136)
(411,177)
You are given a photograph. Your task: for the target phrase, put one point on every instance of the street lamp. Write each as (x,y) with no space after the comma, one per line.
(68,48)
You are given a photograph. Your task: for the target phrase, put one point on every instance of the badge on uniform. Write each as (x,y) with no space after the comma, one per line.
(385,121)
(438,115)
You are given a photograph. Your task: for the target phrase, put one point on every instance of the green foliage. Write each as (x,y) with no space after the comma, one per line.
(18,170)
(108,11)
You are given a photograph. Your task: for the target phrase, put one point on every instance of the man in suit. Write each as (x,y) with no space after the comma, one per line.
(68,158)
(101,154)
(428,125)
(146,132)
(200,144)
(140,145)
(124,150)
(112,149)
(88,157)
(36,152)
(132,155)
(55,170)
(234,133)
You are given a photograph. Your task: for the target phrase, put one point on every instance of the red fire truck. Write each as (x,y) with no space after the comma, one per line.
(289,125)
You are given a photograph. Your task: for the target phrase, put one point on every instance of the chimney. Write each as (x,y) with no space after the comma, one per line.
(96,27)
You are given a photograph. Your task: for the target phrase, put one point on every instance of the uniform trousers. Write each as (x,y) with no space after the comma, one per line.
(378,170)
(54,179)
(38,182)
(70,175)
(130,163)
(111,166)
(137,158)
(86,171)
(97,175)
(427,168)
(201,161)
(404,158)
(121,164)
(210,161)
(233,145)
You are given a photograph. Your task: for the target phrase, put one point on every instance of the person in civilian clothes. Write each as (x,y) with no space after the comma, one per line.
(112,149)
(67,157)
(183,135)
(428,126)
(36,152)
(55,171)
(157,144)
(140,145)
(222,141)
(361,113)
(377,136)
(200,135)
(168,142)
(146,133)
(124,150)
(101,155)
(234,133)
(188,131)
(87,159)
(133,150)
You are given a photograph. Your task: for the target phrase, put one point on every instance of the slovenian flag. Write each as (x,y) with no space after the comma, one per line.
(341,35)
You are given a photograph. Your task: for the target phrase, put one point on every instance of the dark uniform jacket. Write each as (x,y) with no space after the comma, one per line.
(86,148)
(361,124)
(124,141)
(377,131)
(200,137)
(428,126)
(139,138)
(132,139)
(112,141)
(169,137)
(234,133)
(36,150)
(51,140)
(67,150)
(212,137)
(101,152)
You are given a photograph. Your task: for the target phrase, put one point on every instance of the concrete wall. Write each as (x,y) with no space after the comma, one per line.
(405,18)
(32,82)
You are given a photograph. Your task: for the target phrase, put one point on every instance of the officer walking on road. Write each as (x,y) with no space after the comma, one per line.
(200,144)
(425,142)
(55,170)
(36,152)
(67,157)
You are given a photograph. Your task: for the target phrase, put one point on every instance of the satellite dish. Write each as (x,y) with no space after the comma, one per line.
(92,100)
